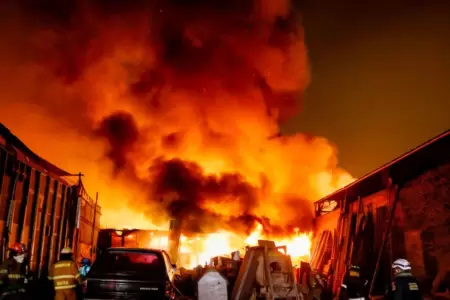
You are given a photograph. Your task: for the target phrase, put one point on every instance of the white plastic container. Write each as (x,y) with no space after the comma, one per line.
(212,286)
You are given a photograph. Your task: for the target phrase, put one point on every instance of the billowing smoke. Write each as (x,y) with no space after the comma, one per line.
(170,107)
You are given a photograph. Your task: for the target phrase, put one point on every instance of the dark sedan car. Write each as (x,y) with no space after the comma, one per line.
(124,273)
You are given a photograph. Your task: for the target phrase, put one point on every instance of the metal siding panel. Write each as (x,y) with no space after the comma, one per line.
(33,239)
(16,218)
(28,215)
(3,156)
(86,223)
(53,222)
(37,215)
(64,222)
(11,169)
(46,226)
(22,220)
(4,192)
(60,222)
(381,225)
(41,234)
(70,217)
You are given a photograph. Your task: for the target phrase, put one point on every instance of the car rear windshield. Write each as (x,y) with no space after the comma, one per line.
(128,262)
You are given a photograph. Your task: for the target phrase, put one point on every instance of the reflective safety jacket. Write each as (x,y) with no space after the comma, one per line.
(353,288)
(316,286)
(12,277)
(404,287)
(65,275)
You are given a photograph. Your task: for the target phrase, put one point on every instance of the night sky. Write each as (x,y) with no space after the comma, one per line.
(380,77)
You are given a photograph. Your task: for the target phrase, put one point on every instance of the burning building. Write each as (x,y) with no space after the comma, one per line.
(397,211)
(191,251)
(159,97)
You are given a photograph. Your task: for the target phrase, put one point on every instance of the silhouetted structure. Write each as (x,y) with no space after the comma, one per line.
(399,210)
(40,207)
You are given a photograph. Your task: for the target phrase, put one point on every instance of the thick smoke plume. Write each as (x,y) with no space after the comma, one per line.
(170,107)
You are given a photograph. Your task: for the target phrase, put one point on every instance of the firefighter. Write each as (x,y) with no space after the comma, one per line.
(85,267)
(13,274)
(353,286)
(404,285)
(65,277)
(316,286)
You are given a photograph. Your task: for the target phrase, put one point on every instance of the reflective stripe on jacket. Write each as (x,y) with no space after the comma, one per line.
(64,275)
(12,276)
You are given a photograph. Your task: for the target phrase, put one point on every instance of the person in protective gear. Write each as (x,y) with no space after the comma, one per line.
(404,285)
(353,286)
(65,277)
(85,267)
(316,286)
(13,274)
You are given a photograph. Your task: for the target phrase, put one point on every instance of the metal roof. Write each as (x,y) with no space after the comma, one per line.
(429,155)
(14,144)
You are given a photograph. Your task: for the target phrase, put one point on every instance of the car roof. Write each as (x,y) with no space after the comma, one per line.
(140,250)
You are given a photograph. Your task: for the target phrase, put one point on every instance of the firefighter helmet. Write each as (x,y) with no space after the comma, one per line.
(66,250)
(18,248)
(401,264)
(354,270)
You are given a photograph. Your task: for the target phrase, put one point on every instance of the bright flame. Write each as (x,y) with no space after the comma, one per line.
(298,246)
(204,90)
(200,250)
(214,245)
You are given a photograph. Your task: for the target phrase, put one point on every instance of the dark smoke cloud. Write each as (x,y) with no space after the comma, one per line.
(196,45)
(182,189)
(203,48)
(122,134)
(193,188)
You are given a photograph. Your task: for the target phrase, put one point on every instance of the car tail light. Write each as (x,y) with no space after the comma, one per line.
(169,291)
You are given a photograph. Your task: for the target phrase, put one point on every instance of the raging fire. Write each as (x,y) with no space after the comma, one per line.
(173,111)
(198,250)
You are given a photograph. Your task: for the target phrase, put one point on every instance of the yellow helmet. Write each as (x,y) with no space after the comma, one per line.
(66,250)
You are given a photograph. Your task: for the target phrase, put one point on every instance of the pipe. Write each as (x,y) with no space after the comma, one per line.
(93,226)
(385,238)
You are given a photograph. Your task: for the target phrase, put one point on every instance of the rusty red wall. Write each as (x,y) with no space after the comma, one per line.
(422,224)
(420,231)
(36,208)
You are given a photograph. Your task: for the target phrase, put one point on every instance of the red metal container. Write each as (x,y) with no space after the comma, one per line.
(40,207)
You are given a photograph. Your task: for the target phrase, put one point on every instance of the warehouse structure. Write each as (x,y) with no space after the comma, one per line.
(40,207)
(399,210)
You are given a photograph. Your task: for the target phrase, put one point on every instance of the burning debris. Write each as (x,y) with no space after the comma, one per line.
(172,109)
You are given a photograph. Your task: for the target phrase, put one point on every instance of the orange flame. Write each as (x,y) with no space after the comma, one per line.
(218,105)
(200,250)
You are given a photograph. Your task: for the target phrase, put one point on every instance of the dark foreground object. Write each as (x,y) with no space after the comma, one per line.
(124,273)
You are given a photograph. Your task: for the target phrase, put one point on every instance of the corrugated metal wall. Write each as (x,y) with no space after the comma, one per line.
(343,250)
(38,210)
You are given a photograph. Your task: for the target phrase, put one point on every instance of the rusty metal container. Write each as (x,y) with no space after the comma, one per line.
(39,207)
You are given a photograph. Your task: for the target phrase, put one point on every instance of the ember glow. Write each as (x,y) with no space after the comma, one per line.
(198,250)
(173,112)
